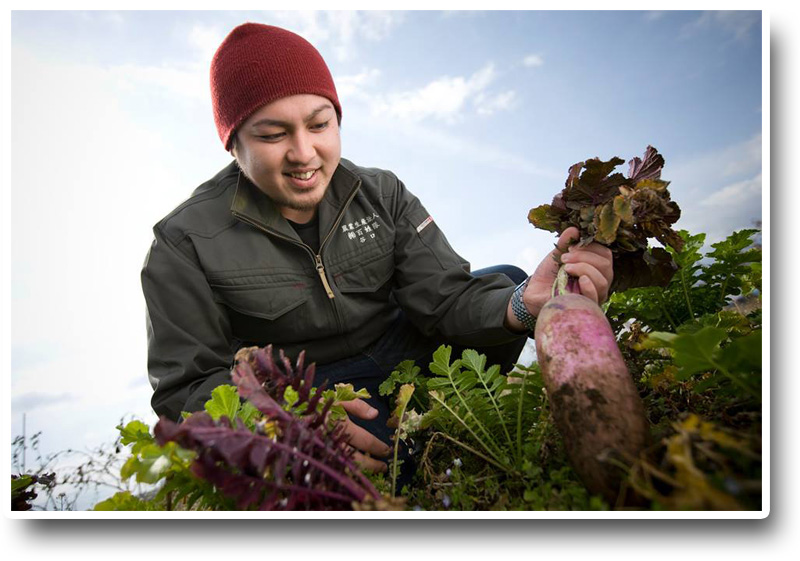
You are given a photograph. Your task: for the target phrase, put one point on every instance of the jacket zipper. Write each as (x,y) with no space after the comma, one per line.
(317,256)
(321,271)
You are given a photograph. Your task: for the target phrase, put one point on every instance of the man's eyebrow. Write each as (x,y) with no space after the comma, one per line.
(277,123)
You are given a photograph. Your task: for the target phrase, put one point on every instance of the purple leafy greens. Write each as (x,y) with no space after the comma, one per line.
(621,213)
(293,460)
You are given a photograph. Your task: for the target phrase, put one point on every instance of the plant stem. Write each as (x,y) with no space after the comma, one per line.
(519,417)
(686,294)
(496,408)
(746,387)
(396,447)
(666,313)
(475,436)
(473,451)
(469,411)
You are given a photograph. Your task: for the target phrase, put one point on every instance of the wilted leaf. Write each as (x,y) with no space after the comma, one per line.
(623,209)
(346,392)
(544,218)
(606,223)
(620,212)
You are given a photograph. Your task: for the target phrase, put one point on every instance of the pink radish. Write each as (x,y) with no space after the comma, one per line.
(593,400)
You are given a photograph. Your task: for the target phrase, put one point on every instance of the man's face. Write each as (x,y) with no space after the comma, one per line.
(289,149)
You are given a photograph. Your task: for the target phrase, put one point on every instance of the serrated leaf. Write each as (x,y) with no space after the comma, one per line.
(404,373)
(473,360)
(441,361)
(134,431)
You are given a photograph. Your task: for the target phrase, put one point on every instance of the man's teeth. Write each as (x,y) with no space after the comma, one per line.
(304,175)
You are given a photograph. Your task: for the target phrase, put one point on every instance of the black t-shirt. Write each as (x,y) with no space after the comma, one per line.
(308,232)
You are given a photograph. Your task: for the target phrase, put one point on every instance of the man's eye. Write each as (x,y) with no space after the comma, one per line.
(320,126)
(271,137)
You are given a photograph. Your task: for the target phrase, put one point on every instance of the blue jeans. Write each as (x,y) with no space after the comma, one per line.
(402,341)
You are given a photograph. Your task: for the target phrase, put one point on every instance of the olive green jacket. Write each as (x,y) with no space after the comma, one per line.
(226,270)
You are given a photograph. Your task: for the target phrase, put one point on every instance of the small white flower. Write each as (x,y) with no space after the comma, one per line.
(457,462)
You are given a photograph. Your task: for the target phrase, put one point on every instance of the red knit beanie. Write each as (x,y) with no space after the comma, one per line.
(257,64)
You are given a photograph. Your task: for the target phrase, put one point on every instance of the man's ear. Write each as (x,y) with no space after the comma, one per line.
(233,147)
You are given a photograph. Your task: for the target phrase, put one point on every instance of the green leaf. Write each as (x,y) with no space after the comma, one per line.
(743,354)
(21,482)
(136,433)
(473,360)
(248,414)
(659,339)
(407,372)
(290,397)
(441,362)
(345,392)
(696,352)
(124,500)
(224,402)
(152,463)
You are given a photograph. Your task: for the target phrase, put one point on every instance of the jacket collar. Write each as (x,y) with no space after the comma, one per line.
(251,204)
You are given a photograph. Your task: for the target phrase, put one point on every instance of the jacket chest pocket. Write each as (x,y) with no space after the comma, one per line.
(264,312)
(366,275)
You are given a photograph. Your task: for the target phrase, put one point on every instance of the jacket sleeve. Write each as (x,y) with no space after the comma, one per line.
(190,346)
(434,285)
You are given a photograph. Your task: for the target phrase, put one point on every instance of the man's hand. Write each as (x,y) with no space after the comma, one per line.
(592,265)
(365,443)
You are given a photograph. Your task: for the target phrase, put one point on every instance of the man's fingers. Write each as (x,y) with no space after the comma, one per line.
(589,274)
(363,440)
(359,408)
(596,258)
(588,289)
(568,235)
(368,463)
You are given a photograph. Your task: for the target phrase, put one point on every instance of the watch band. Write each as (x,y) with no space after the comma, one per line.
(520,310)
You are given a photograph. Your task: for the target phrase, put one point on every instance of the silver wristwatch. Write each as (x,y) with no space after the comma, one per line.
(520,310)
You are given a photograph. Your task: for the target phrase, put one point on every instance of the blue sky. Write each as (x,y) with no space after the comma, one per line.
(479,113)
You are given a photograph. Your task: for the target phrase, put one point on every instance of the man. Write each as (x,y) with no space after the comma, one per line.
(293,246)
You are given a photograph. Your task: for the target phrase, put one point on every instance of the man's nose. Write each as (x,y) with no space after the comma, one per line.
(302,148)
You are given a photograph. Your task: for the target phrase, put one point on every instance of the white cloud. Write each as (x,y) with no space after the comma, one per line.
(735,194)
(206,39)
(654,15)
(533,60)
(338,31)
(738,24)
(355,85)
(190,82)
(719,191)
(444,99)
(35,400)
(488,105)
